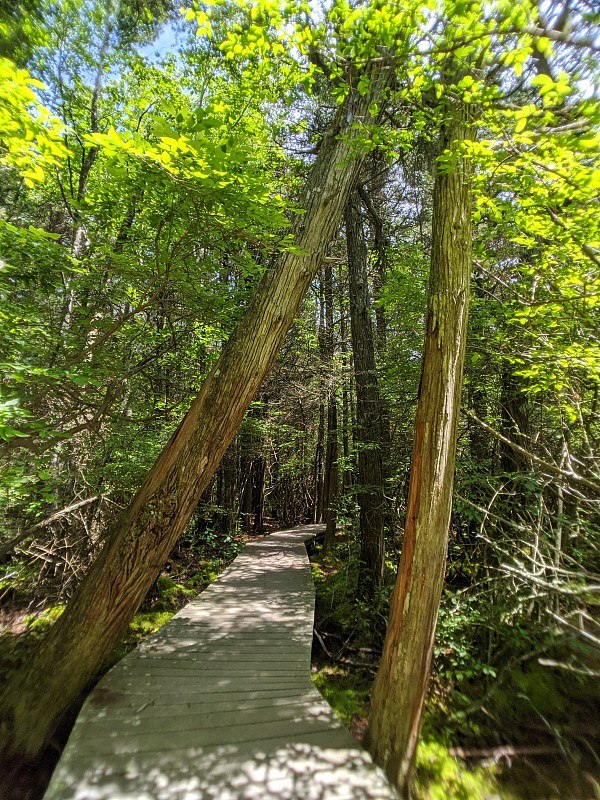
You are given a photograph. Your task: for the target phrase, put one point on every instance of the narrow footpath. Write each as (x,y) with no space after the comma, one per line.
(219,703)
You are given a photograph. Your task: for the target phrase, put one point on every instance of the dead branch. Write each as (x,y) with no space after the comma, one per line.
(569,475)
(10,546)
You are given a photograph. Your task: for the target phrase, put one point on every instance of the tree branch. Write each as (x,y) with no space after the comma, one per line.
(10,546)
(547,465)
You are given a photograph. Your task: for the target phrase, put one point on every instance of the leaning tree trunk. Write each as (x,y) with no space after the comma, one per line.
(400,686)
(139,544)
(369,410)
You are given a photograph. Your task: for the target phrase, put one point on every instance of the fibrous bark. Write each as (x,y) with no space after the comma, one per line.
(400,686)
(319,474)
(369,411)
(331,482)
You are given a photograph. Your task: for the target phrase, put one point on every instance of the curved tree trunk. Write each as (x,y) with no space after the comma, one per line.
(401,683)
(74,649)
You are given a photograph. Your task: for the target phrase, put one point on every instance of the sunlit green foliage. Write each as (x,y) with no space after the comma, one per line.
(30,134)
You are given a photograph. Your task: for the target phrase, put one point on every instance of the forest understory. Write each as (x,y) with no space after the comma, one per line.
(479,745)
(503,750)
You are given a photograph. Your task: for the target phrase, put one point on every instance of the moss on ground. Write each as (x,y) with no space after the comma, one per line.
(440,776)
(38,624)
(145,623)
(172,595)
(348,698)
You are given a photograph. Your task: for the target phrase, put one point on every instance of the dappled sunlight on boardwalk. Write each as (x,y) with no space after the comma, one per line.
(269,771)
(219,703)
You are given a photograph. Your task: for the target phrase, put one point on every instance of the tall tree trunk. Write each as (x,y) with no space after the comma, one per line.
(515,423)
(370,492)
(246,500)
(249,448)
(346,421)
(330,494)
(320,487)
(258,495)
(70,655)
(318,465)
(375,208)
(400,686)
(88,159)
(331,468)
(374,205)
(227,486)
(259,470)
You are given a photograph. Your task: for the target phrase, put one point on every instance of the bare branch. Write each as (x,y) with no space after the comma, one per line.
(590,252)
(569,475)
(10,546)
(588,43)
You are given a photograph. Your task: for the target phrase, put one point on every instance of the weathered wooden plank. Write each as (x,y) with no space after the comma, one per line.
(133,714)
(191,660)
(222,715)
(314,769)
(219,703)
(151,676)
(251,658)
(161,706)
(250,727)
(258,668)
(187,688)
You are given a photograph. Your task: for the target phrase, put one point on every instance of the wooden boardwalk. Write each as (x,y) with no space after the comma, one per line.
(219,703)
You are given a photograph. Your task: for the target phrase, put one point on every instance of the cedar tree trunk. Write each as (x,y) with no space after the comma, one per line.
(401,683)
(370,493)
(331,481)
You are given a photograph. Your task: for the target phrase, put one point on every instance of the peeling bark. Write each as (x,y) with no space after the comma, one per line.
(401,683)
(369,409)
(331,487)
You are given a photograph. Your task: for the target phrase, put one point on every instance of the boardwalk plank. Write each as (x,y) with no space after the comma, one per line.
(219,703)
(207,716)
(164,705)
(219,709)
(188,687)
(134,741)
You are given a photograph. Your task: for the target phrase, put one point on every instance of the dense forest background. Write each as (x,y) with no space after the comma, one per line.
(153,162)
